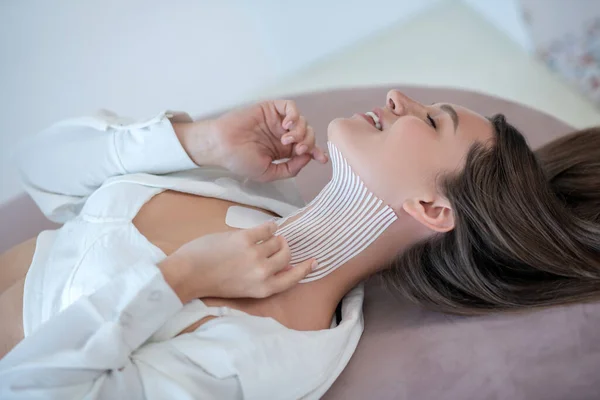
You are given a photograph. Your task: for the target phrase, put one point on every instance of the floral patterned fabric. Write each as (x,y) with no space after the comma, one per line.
(566,35)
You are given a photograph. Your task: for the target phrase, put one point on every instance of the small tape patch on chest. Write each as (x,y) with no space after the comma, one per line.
(245,218)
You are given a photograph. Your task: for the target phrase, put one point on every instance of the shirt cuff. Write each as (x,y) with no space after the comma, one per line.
(151,146)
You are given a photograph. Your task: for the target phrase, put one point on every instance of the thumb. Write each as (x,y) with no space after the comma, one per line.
(261,233)
(291,276)
(287,169)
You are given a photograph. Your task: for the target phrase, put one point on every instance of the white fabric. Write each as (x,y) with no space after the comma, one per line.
(342,221)
(99,318)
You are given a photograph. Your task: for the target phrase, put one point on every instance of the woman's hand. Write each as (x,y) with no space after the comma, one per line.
(245,263)
(248,140)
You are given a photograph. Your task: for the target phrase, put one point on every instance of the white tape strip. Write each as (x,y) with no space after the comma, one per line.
(338,224)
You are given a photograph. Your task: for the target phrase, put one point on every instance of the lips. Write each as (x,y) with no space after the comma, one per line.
(368,119)
(379,120)
(379,113)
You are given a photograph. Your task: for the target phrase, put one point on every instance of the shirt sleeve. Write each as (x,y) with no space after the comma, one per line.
(85,351)
(62,165)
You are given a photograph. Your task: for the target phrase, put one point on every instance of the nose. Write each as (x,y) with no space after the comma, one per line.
(401,104)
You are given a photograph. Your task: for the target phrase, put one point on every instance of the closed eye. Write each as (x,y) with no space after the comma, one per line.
(431,121)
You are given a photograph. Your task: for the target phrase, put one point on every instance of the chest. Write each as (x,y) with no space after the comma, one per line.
(171,219)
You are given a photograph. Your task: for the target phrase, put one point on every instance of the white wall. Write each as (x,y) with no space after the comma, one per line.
(68,58)
(295,33)
(505,15)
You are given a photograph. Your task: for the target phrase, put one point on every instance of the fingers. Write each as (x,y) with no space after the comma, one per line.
(261,233)
(286,170)
(296,133)
(280,275)
(279,260)
(299,131)
(308,142)
(288,110)
(287,279)
(319,155)
(304,136)
(271,246)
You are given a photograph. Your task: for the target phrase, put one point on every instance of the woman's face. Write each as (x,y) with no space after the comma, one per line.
(416,143)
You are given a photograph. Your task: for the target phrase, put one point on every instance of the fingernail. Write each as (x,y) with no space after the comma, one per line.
(314,265)
(287,139)
(301,149)
(288,125)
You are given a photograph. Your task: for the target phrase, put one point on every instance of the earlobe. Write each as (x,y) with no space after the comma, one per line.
(437,217)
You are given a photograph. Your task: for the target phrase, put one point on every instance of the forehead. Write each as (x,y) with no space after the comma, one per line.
(472,126)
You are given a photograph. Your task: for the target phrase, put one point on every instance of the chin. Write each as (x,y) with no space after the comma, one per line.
(331,128)
(336,128)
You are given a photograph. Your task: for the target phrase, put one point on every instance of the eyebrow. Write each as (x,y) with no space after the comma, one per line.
(452,112)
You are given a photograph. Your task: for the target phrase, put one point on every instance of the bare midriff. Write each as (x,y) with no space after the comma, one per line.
(169,220)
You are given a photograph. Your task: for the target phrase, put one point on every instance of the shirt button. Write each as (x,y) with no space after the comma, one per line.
(155,295)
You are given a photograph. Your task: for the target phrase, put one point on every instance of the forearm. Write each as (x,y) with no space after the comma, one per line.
(200,140)
(64,164)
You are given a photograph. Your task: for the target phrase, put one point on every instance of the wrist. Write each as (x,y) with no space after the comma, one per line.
(200,140)
(176,272)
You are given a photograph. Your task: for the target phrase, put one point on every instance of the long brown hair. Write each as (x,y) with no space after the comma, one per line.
(527,230)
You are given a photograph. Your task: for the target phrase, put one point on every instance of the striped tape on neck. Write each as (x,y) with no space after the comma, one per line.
(338,224)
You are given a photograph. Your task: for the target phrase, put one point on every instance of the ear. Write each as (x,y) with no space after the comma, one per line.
(436,215)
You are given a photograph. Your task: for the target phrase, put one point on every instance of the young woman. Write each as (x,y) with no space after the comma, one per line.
(161,284)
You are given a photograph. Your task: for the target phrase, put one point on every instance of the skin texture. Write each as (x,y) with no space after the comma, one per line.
(398,164)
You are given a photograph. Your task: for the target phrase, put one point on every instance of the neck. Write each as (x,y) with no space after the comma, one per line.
(339,224)
(350,232)
(311,305)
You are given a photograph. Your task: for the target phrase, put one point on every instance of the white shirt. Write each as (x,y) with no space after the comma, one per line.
(99,319)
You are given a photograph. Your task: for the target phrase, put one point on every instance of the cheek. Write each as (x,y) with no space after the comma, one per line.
(413,152)
(392,164)
(411,142)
